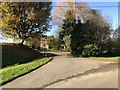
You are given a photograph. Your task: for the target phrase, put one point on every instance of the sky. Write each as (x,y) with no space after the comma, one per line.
(108,9)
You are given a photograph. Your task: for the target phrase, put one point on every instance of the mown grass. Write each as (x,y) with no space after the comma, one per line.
(10,73)
(107,58)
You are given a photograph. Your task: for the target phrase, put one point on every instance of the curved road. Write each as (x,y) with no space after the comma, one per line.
(64,71)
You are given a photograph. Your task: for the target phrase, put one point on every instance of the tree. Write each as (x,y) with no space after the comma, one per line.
(116,33)
(33,41)
(53,43)
(67,42)
(22,19)
(59,13)
(85,26)
(115,40)
(50,41)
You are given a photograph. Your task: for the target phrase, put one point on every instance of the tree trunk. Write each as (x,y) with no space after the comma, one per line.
(23,39)
(22,42)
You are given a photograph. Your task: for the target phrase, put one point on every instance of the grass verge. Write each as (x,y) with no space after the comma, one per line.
(10,73)
(117,58)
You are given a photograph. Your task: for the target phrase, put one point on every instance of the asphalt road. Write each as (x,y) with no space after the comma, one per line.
(108,79)
(74,70)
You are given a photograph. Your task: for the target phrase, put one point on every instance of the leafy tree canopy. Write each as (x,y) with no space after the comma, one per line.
(22,19)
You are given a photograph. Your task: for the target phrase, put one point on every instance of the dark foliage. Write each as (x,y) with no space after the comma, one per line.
(17,54)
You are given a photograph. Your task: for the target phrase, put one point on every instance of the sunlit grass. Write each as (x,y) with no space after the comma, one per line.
(106,58)
(9,73)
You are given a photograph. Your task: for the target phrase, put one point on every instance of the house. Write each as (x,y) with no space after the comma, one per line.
(39,42)
(43,42)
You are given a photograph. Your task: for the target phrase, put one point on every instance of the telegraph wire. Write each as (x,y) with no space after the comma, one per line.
(89,6)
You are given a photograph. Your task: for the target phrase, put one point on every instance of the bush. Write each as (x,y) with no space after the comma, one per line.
(90,50)
(13,54)
(44,50)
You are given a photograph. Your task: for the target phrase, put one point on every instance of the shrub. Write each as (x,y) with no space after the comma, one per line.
(90,50)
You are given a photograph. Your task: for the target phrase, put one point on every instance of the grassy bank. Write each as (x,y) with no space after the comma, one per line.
(10,73)
(13,54)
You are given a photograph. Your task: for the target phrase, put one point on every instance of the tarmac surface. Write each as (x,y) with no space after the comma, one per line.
(68,72)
